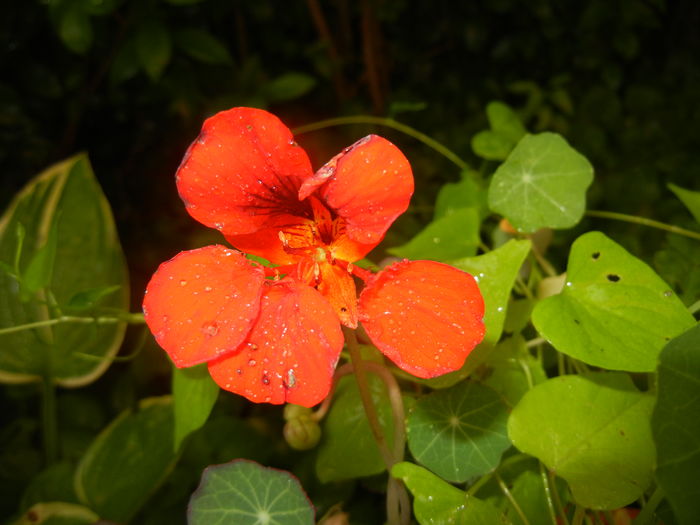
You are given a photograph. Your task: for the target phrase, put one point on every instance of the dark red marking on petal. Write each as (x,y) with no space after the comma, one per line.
(202,303)
(369,185)
(243,171)
(338,287)
(423,315)
(292,350)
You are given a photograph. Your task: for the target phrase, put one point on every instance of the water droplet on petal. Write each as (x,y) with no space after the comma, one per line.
(252,362)
(183,282)
(210,329)
(265,380)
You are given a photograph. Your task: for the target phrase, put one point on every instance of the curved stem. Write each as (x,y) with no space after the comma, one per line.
(643,221)
(389,123)
(511,499)
(49,421)
(135,318)
(397,407)
(646,515)
(548,497)
(366,396)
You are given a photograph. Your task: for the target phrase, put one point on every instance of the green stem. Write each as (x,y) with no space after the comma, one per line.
(644,222)
(646,515)
(397,408)
(366,396)
(512,500)
(135,318)
(579,513)
(49,420)
(389,123)
(487,477)
(548,497)
(693,308)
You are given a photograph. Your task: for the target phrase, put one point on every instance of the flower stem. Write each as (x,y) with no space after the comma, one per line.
(48,419)
(548,497)
(511,499)
(366,396)
(135,318)
(644,222)
(646,515)
(389,123)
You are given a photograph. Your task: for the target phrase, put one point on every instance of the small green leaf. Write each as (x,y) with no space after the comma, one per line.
(691,199)
(347,448)
(89,298)
(460,432)
(506,131)
(75,27)
(194,394)
(454,196)
(449,237)
(184,2)
(70,244)
(614,311)
(435,501)
(153,46)
(496,272)
(676,425)
(55,483)
(592,431)
(101,7)
(243,492)
(542,184)
(288,87)
(128,461)
(126,62)
(202,46)
(58,513)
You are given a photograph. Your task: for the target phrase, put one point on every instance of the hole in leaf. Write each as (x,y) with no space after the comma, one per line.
(595,255)
(613,278)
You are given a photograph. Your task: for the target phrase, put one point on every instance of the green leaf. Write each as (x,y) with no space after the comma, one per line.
(449,237)
(454,196)
(435,501)
(691,199)
(513,370)
(506,131)
(128,461)
(40,269)
(592,431)
(347,448)
(89,298)
(153,46)
(58,513)
(202,46)
(101,7)
(460,432)
(184,2)
(496,272)
(194,394)
(288,87)
(55,483)
(542,184)
(243,492)
(676,426)
(614,311)
(66,199)
(74,26)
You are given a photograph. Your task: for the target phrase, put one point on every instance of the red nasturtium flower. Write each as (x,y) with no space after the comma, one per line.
(277,339)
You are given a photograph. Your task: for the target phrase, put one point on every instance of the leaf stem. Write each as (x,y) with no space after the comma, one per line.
(48,419)
(511,499)
(693,308)
(646,515)
(548,497)
(634,219)
(389,123)
(134,318)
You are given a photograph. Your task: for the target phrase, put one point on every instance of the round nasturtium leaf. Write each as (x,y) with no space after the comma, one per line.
(614,312)
(676,426)
(506,130)
(542,184)
(69,247)
(243,492)
(593,431)
(436,501)
(460,432)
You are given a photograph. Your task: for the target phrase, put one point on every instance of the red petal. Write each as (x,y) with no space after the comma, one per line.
(424,316)
(202,303)
(243,170)
(338,287)
(292,350)
(369,185)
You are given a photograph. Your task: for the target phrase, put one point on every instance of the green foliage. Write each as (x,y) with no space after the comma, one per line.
(542,184)
(583,426)
(137,441)
(245,492)
(459,433)
(614,311)
(59,237)
(506,131)
(194,395)
(675,424)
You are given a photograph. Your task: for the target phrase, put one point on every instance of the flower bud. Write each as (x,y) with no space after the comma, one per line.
(302,433)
